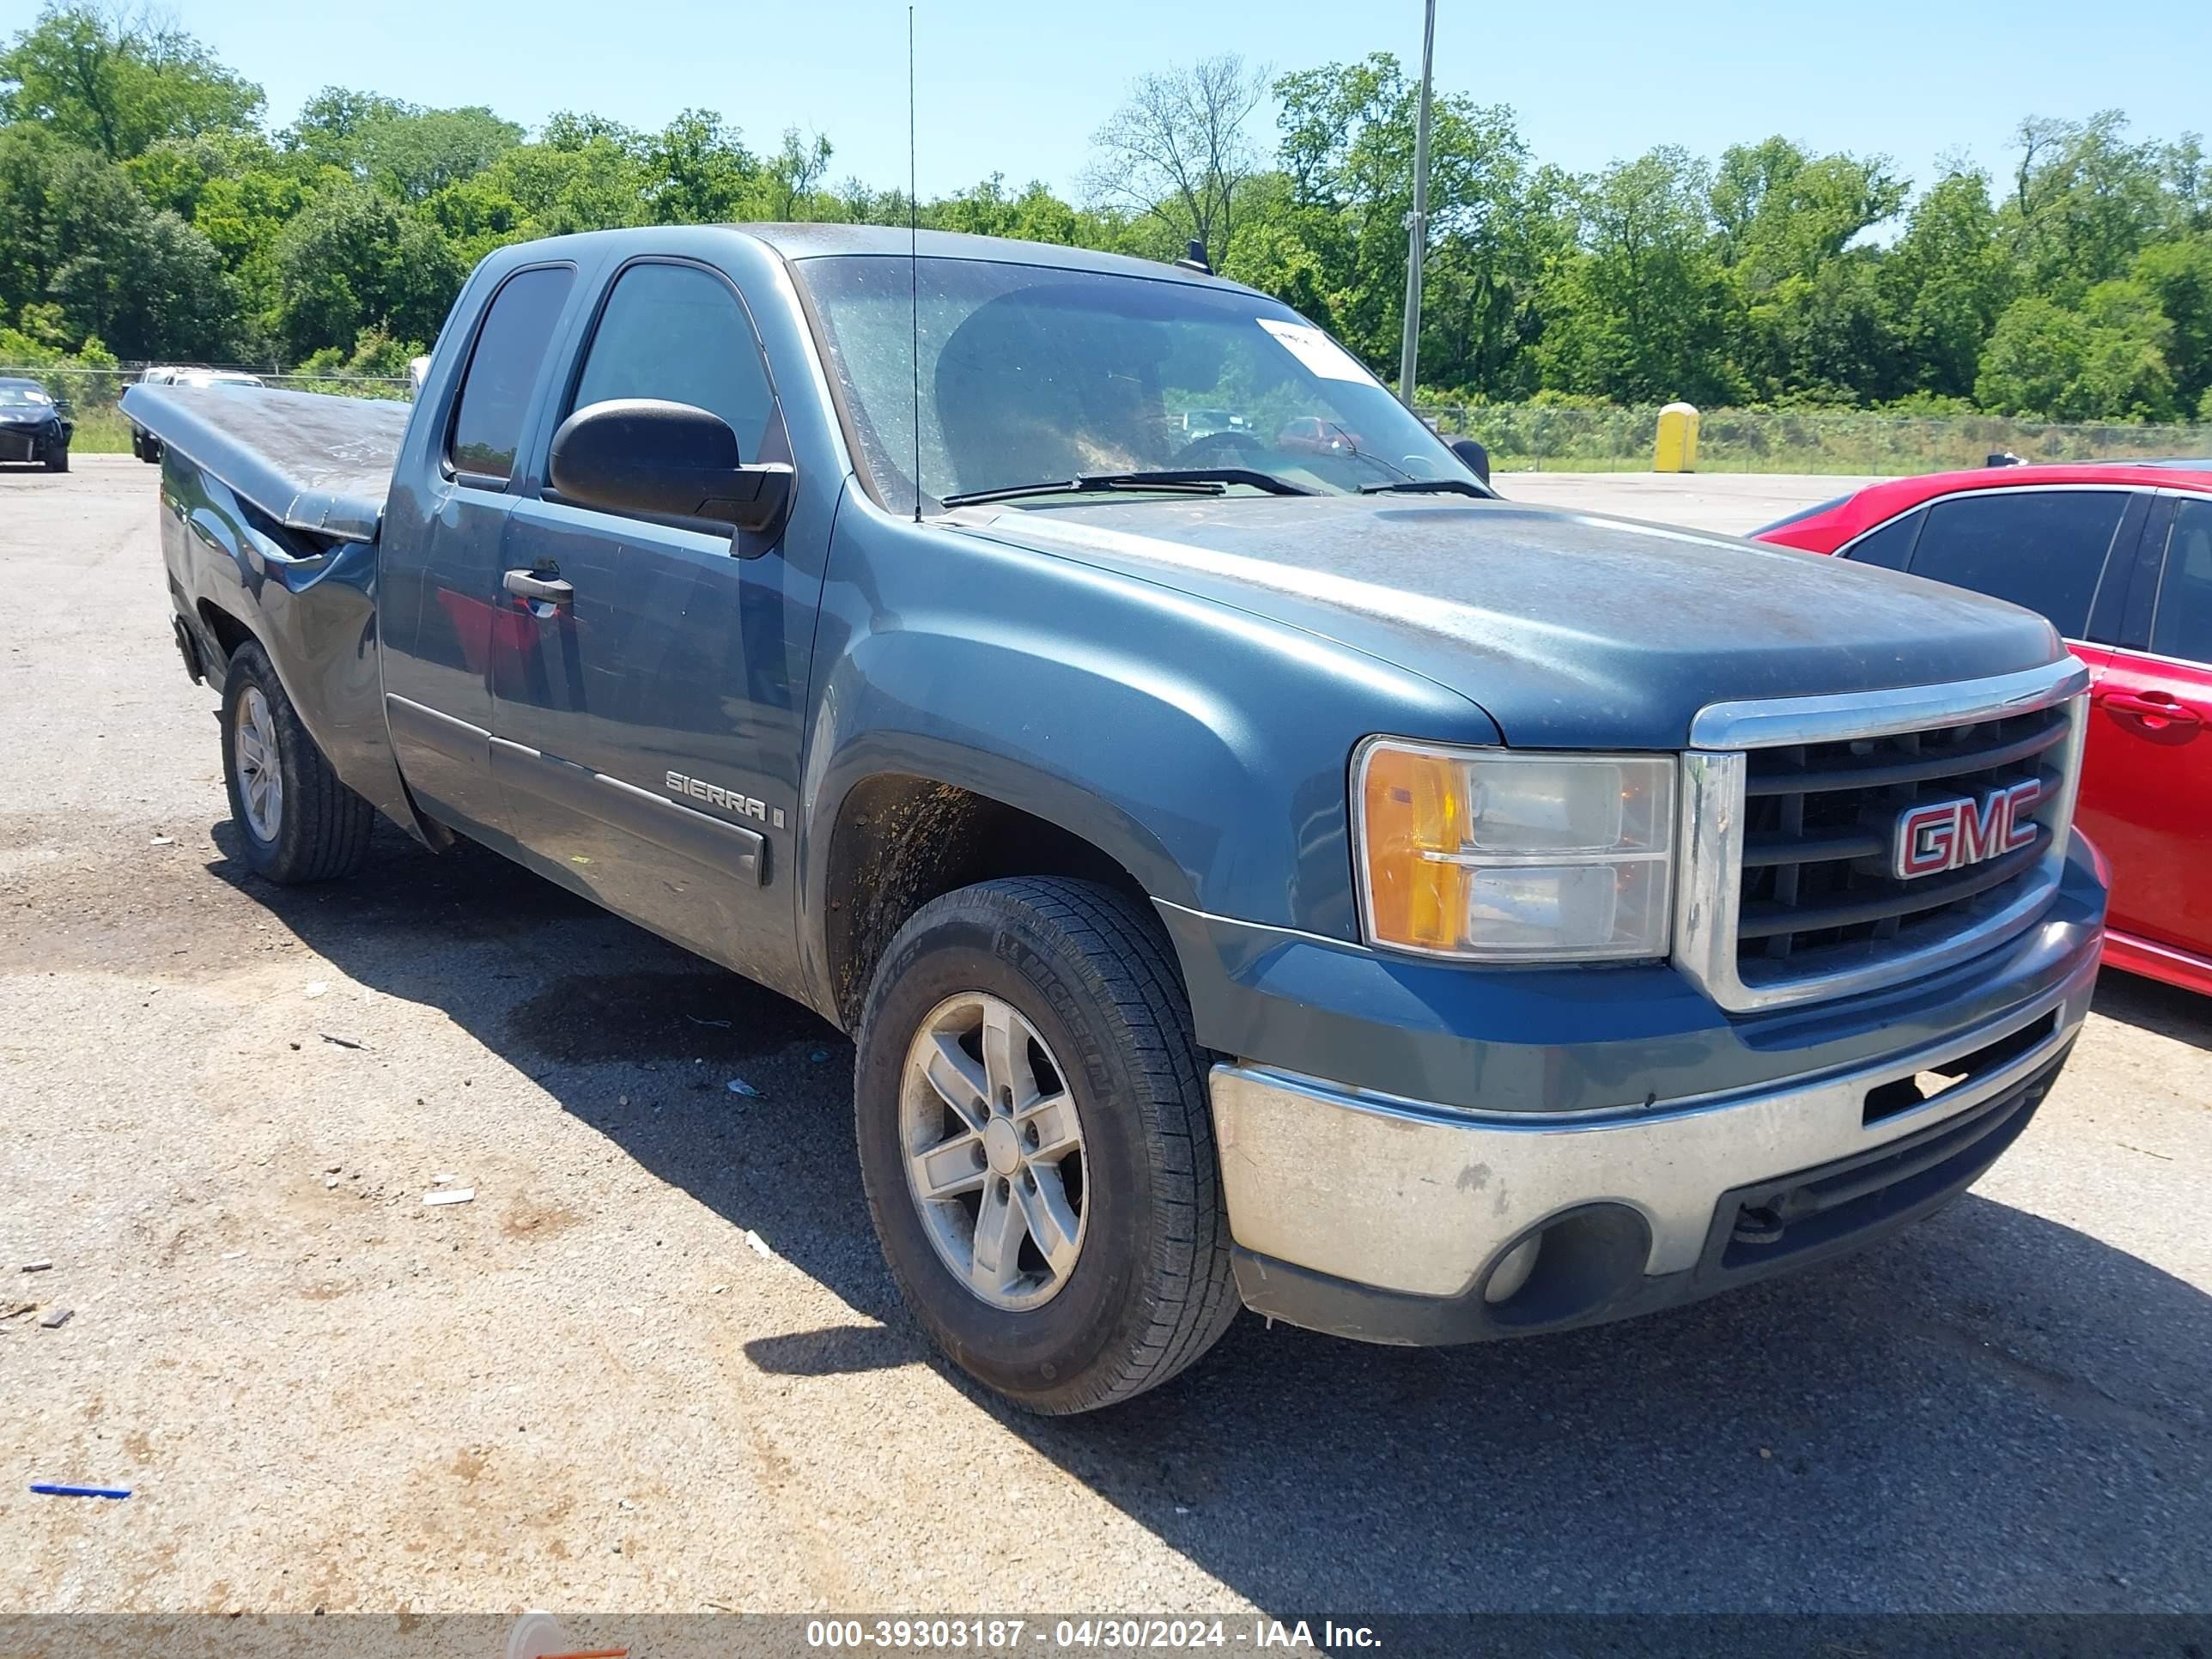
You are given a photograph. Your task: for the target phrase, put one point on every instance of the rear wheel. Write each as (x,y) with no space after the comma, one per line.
(1036,1142)
(297,821)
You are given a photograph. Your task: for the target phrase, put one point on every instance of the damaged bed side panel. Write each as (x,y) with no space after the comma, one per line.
(275,539)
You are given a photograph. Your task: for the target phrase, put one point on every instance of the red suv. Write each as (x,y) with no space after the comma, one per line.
(2119,557)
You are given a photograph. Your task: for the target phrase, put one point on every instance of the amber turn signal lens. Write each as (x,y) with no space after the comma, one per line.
(1415,806)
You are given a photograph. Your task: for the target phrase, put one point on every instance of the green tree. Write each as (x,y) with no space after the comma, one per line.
(356,260)
(698,171)
(1642,311)
(2103,359)
(2085,203)
(403,149)
(2179,275)
(115,84)
(1347,135)
(1944,285)
(1788,227)
(789,179)
(86,251)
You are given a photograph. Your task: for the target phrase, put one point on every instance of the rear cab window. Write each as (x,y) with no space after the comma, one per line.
(503,368)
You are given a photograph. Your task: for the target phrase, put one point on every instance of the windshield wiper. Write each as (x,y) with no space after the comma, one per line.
(1183,481)
(1428,486)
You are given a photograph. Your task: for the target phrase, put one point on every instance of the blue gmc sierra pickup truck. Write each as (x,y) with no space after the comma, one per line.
(1257,863)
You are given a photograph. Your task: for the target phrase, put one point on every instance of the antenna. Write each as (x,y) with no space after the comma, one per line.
(914,262)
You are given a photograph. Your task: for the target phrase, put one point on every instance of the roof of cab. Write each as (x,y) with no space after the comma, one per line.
(800,242)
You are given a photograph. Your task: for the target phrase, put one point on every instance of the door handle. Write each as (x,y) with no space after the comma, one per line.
(529,585)
(2153,705)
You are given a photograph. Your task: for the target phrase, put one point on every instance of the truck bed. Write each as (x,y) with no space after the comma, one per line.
(311,461)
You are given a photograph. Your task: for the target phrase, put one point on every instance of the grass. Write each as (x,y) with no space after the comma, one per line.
(100,431)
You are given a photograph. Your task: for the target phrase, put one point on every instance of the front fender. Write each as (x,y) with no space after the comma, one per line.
(1205,750)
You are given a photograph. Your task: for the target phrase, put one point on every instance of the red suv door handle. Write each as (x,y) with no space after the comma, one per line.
(2155,708)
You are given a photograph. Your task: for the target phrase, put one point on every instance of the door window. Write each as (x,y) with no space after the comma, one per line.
(2044,549)
(2182,625)
(678,333)
(503,368)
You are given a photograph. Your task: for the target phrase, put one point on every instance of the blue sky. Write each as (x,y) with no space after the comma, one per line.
(1019,86)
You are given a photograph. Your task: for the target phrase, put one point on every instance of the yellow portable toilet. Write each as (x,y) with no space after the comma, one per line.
(1677,449)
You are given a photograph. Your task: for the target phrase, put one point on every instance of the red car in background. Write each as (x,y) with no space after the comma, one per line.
(2118,556)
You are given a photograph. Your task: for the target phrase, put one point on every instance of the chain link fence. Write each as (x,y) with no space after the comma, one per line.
(1533,438)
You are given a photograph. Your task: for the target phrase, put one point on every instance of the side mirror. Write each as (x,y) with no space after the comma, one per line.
(1476,457)
(667,460)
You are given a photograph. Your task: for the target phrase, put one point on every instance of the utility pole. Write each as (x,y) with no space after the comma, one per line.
(1417,221)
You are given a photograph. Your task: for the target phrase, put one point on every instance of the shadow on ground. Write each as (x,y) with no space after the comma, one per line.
(2151,1006)
(1994,1411)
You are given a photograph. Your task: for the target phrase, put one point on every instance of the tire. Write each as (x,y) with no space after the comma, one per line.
(1148,1289)
(57,459)
(311,827)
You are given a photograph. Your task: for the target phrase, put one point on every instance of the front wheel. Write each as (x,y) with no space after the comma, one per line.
(297,821)
(1035,1139)
(57,459)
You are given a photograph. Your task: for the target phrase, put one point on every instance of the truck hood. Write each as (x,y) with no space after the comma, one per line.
(1570,629)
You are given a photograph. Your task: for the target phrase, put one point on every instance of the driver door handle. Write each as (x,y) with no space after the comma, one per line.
(529,585)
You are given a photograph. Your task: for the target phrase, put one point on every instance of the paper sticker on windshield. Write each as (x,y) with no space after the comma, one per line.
(1316,350)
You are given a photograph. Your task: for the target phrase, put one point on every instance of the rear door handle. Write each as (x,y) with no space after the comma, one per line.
(529,585)
(2151,707)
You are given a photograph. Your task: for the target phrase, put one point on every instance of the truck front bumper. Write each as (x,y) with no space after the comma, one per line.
(1387,1219)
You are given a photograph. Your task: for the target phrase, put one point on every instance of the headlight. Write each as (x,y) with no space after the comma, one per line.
(1499,857)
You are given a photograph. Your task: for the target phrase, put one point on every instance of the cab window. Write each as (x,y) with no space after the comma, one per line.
(502,371)
(678,333)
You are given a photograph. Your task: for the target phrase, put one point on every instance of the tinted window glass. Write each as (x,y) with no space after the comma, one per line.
(2044,549)
(2182,626)
(1890,546)
(678,333)
(503,369)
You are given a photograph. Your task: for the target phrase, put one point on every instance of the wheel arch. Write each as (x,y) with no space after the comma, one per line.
(904,834)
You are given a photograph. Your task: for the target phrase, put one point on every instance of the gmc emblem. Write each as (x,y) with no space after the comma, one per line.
(1949,835)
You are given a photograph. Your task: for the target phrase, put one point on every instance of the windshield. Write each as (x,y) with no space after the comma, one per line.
(20,395)
(1031,374)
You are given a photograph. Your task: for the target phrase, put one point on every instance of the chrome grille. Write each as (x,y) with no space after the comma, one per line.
(1790,892)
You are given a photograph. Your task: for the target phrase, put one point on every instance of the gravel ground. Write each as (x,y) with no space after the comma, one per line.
(656,1365)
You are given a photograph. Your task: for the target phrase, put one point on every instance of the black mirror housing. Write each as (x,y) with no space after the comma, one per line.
(1475,455)
(667,460)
